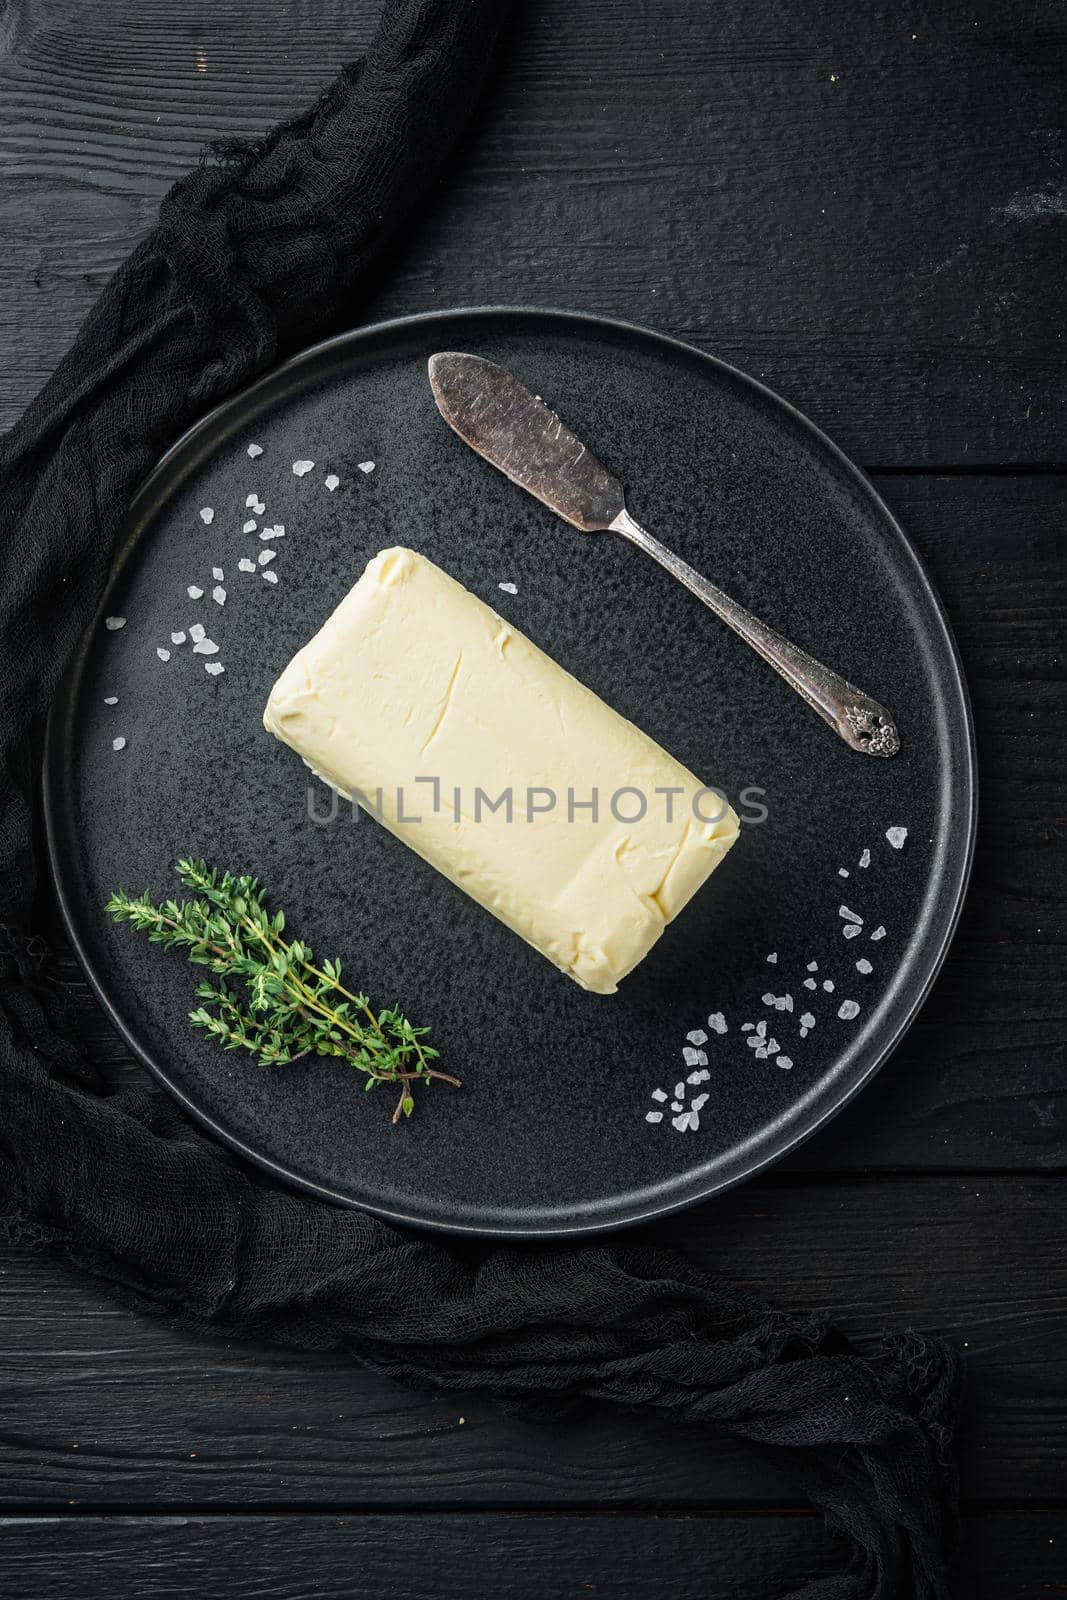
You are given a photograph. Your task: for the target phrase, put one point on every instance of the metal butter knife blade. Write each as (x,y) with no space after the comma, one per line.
(514,430)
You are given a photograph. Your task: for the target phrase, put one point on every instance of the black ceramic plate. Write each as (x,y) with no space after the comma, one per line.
(553,1131)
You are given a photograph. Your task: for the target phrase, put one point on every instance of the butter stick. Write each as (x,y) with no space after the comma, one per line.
(504,772)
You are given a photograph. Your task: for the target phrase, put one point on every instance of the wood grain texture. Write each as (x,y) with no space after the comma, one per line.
(1006,1557)
(981,1081)
(866,208)
(102,1407)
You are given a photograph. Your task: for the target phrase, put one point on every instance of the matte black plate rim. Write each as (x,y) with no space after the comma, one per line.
(785,1141)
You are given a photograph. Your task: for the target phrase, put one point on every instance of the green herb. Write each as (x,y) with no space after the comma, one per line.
(290,1007)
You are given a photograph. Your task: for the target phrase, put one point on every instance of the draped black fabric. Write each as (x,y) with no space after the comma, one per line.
(264,249)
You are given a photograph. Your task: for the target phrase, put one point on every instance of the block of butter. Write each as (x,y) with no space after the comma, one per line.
(500,769)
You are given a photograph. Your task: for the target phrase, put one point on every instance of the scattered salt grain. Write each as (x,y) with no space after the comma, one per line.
(244,565)
(773,958)
(111,699)
(676,1105)
(214,667)
(761,1028)
(768,999)
(813,966)
(249,526)
(197,632)
(842,872)
(253,499)
(809,983)
(270,576)
(847,1010)
(699,1102)
(177,638)
(700,1076)
(717,1022)
(264,557)
(849,916)
(301,467)
(679,1089)
(879,933)
(207,515)
(277,532)
(255,450)
(653,1116)
(164,655)
(218,594)
(697,1036)
(509,588)
(864,966)
(119,743)
(851,929)
(784,1062)
(829,986)
(694,1058)
(896,837)
(685,1122)
(205,647)
(865,859)
(113,624)
(331,480)
(659,1094)
(193,592)
(218,574)
(784,1003)
(807,1022)
(366,466)
(747,1027)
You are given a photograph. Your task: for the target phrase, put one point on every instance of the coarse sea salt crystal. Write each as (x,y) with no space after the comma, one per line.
(813,966)
(249,526)
(653,1116)
(676,1105)
(864,966)
(193,592)
(699,1102)
(113,624)
(829,985)
(366,466)
(717,1022)
(270,576)
(847,1010)
(264,557)
(302,467)
(164,655)
(851,929)
(255,450)
(896,837)
(879,933)
(509,588)
(197,632)
(849,916)
(244,565)
(218,574)
(111,699)
(807,1020)
(768,999)
(697,1036)
(694,1058)
(218,594)
(842,872)
(207,515)
(119,743)
(277,532)
(865,859)
(659,1094)
(773,958)
(331,481)
(177,638)
(685,1121)
(205,647)
(701,1075)
(784,1062)
(809,983)
(214,667)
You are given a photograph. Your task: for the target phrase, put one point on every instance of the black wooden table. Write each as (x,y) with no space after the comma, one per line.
(866,206)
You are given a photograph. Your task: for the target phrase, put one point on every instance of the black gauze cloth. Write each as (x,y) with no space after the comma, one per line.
(253,255)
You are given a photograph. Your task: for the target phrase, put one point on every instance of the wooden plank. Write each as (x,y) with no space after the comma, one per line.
(101,1407)
(866,210)
(981,1081)
(1005,1557)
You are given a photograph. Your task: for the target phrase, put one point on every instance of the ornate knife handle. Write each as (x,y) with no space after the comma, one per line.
(859,720)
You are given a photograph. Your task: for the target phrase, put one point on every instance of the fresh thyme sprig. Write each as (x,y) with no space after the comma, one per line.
(291,1007)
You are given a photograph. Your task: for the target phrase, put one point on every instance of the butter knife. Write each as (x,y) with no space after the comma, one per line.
(514,430)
